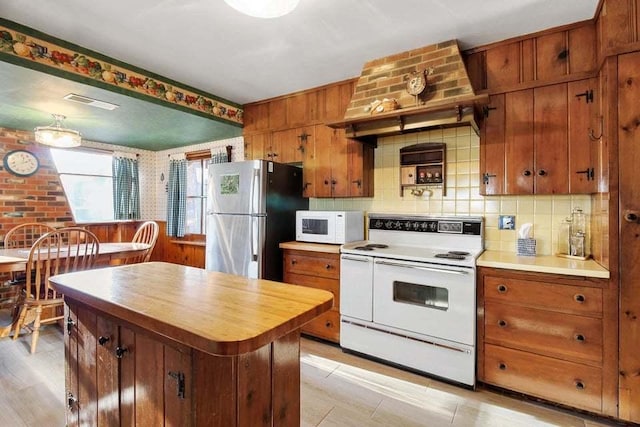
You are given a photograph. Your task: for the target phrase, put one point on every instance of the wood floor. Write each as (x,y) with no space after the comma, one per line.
(338,389)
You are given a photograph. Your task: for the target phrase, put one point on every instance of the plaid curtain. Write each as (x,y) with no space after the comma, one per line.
(177,198)
(126,188)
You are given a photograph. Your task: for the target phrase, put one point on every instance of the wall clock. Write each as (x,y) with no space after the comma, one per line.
(21,162)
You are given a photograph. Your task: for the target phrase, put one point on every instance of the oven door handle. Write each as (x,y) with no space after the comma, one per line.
(356,259)
(434,269)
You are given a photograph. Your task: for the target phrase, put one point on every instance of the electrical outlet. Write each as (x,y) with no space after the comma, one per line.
(507,222)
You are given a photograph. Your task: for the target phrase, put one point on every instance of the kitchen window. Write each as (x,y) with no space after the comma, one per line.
(86,177)
(197,167)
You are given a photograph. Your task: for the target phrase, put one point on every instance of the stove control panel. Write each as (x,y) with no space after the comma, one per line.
(451,226)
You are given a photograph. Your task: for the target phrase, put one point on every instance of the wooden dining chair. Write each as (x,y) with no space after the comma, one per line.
(146,233)
(24,235)
(60,251)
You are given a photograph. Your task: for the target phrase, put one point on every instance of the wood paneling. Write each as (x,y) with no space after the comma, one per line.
(582,49)
(503,65)
(629,159)
(278,114)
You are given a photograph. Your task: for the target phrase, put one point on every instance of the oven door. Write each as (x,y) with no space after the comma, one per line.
(428,299)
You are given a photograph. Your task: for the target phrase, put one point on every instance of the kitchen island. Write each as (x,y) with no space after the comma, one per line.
(165,344)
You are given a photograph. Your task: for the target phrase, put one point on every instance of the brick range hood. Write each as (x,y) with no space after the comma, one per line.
(448,100)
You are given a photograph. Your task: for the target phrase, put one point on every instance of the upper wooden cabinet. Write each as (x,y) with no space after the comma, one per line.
(536,141)
(293,131)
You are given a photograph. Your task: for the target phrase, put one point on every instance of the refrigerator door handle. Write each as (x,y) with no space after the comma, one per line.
(254,238)
(255,192)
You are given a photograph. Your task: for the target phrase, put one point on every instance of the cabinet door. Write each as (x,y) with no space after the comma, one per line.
(292,144)
(360,169)
(581,120)
(309,164)
(324,135)
(492,156)
(178,389)
(519,142)
(71,364)
(108,373)
(339,164)
(254,145)
(550,139)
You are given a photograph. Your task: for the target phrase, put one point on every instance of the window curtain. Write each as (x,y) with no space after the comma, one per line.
(177,196)
(126,186)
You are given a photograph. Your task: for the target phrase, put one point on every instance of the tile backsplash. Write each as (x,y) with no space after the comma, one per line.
(462,195)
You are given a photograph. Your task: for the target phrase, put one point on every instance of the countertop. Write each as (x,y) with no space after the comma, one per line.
(314,247)
(218,313)
(542,264)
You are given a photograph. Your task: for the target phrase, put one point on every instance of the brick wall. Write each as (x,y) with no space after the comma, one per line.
(37,198)
(386,78)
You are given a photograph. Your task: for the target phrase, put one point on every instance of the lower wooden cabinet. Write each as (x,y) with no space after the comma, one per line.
(121,375)
(549,336)
(317,269)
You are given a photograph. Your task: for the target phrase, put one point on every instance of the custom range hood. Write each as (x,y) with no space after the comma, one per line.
(411,91)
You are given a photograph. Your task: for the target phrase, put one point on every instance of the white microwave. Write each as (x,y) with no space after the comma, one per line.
(336,227)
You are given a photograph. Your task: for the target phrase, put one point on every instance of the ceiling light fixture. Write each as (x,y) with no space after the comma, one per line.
(55,135)
(263,8)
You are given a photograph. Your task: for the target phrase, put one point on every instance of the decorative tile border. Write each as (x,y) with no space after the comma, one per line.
(30,48)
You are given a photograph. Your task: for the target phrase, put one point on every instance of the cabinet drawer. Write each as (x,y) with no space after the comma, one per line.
(564,298)
(324,266)
(564,382)
(551,333)
(331,285)
(326,326)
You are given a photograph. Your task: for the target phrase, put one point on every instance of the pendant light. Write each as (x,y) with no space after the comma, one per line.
(263,8)
(57,136)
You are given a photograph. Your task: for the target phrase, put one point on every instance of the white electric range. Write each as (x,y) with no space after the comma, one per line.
(408,294)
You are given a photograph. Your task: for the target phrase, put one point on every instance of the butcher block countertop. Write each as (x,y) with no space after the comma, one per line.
(542,264)
(314,247)
(214,312)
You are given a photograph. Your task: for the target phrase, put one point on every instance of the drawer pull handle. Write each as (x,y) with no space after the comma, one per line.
(579,337)
(502,323)
(294,262)
(579,385)
(502,366)
(103,340)
(502,289)
(328,324)
(328,266)
(579,298)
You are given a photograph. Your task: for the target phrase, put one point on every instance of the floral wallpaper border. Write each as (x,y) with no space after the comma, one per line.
(53,55)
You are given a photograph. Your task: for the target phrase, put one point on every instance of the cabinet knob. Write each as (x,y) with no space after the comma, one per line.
(328,266)
(502,289)
(102,340)
(631,216)
(502,323)
(294,262)
(120,351)
(579,337)
(328,324)
(502,366)
(579,298)
(326,182)
(526,172)
(579,385)
(542,172)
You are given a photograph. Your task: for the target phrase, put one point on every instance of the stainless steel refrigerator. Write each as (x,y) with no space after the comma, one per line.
(251,209)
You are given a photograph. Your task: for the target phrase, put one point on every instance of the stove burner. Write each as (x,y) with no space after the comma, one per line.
(363,248)
(377,245)
(459,253)
(449,256)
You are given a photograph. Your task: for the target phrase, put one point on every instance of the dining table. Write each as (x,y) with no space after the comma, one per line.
(15,260)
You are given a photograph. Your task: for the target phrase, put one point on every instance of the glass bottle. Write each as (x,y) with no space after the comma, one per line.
(564,234)
(578,222)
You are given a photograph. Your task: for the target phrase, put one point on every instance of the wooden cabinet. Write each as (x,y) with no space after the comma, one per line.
(291,144)
(546,335)
(256,144)
(536,141)
(317,269)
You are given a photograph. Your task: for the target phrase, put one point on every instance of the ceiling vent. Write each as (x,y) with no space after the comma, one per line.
(90,101)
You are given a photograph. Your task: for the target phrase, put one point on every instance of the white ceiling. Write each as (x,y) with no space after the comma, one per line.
(208,45)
